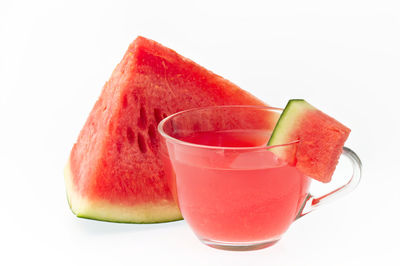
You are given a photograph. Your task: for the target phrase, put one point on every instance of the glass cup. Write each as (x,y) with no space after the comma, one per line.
(231,188)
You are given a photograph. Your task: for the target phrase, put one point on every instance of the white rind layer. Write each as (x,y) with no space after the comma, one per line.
(163,211)
(290,119)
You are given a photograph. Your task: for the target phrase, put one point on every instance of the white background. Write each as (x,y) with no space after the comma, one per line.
(55,56)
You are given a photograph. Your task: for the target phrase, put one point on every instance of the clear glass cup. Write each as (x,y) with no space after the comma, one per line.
(232,190)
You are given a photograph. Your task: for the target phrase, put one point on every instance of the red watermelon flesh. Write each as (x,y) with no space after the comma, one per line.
(115,172)
(320,139)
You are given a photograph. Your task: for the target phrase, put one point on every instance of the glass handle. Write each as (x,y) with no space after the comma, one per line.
(311,203)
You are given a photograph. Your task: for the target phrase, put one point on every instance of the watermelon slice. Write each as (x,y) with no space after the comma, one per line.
(115,170)
(321,139)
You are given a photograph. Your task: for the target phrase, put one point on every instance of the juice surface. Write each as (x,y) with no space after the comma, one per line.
(230,138)
(236,196)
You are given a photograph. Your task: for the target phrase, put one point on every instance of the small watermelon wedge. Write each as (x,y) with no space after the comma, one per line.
(115,170)
(321,139)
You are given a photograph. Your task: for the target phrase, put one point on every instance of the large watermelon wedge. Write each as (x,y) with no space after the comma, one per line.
(321,139)
(114,172)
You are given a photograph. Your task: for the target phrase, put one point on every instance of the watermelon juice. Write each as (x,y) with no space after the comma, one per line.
(231,188)
(236,195)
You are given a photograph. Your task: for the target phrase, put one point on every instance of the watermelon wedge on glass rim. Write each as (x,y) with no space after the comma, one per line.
(115,172)
(320,143)
(321,139)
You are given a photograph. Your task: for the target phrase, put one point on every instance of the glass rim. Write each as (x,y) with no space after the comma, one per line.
(194,145)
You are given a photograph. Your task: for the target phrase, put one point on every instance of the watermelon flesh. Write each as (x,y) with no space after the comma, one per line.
(321,139)
(115,171)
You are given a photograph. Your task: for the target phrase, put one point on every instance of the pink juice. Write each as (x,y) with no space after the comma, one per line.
(236,195)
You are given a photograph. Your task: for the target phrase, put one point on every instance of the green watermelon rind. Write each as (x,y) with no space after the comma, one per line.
(288,120)
(102,210)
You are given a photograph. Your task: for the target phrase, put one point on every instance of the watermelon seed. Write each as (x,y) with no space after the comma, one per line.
(164,115)
(142,121)
(141,143)
(130,135)
(152,134)
(157,115)
(125,101)
(119,146)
